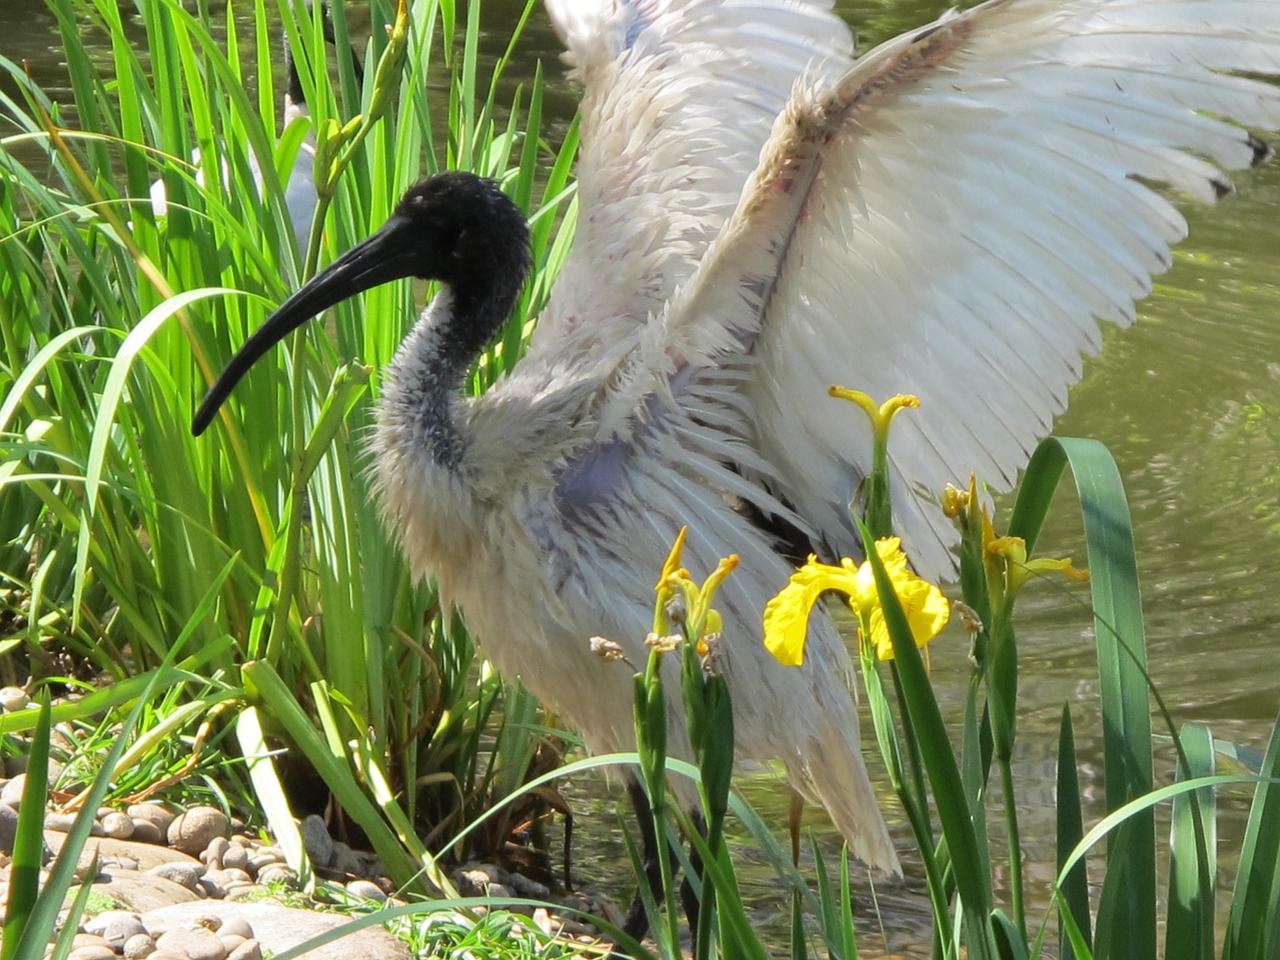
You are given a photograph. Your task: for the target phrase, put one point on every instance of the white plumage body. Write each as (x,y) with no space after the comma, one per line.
(762,217)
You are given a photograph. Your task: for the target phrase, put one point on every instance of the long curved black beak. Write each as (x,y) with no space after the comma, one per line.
(390,254)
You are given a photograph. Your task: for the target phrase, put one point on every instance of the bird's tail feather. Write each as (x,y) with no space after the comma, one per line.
(841,784)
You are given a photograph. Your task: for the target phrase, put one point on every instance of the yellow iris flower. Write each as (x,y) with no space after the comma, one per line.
(701,619)
(786,616)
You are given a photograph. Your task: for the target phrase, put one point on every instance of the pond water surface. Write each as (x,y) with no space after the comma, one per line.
(1188,401)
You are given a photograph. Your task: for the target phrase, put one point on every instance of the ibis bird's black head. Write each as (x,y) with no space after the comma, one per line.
(457,228)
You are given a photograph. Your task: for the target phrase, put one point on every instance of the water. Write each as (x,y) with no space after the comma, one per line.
(1187,402)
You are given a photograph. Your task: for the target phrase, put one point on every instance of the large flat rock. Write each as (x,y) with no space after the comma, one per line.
(146,855)
(141,892)
(279,928)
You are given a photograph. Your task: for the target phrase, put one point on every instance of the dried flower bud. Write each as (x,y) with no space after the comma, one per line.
(606,649)
(666,644)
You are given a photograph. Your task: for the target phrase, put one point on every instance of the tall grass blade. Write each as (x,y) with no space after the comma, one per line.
(71,926)
(1120,638)
(969,860)
(1009,941)
(43,918)
(271,795)
(404,863)
(1253,929)
(28,842)
(1193,861)
(1073,892)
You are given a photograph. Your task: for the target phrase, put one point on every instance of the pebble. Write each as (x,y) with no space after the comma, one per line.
(531,889)
(139,946)
(118,825)
(259,861)
(13,698)
(214,852)
(315,837)
(249,950)
(88,865)
(89,939)
(92,953)
(225,872)
(236,858)
(367,889)
(187,874)
(11,792)
(155,813)
(115,926)
(191,832)
(471,883)
(144,831)
(195,943)
(234,925)
(277,872)
(8,828)
(63,822)
(210,887)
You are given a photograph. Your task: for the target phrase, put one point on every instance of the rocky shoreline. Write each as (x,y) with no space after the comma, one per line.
(194,884)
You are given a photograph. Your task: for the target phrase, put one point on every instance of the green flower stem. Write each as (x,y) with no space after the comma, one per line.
(878,515)
(651,743)
(1015,847)
(1002,694)
(707,698)
(917,816)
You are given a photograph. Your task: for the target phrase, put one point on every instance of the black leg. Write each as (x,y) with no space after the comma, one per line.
(690,898)
(637,922)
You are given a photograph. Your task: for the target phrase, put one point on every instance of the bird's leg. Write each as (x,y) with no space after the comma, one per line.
(690,898)
(637,923)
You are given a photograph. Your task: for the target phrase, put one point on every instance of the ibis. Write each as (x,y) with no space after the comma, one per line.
(762,215)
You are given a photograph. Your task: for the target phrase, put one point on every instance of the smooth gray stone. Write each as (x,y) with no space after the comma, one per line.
(279,928)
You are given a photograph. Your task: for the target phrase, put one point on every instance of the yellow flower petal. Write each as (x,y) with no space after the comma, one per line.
(926,608)
(700,615)
(786,616)
(927,613)
(673,558)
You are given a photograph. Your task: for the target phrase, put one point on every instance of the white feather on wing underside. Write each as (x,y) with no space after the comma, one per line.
(678,99)
(947,220)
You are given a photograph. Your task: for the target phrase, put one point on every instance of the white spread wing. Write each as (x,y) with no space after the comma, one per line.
(679,97)
(948,219)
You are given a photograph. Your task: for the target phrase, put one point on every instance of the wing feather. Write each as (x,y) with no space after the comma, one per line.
(678,100)
(951,217)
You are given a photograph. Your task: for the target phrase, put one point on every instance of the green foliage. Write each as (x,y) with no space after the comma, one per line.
(116,313)
(993,570)
(974,915)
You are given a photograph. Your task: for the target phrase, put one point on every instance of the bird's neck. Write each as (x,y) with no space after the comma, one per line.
(425,380)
